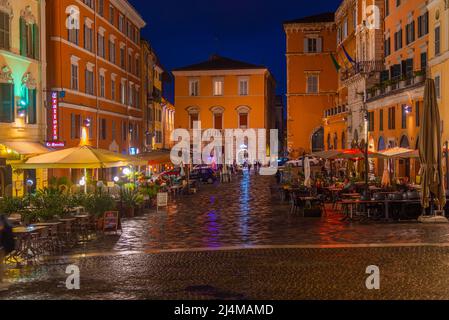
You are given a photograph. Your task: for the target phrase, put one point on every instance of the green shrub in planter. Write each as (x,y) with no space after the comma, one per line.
(49,204)
(10,205)
(98,203)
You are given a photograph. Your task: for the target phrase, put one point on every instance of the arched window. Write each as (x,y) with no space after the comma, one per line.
(243,117)
(381,144)
(217,114)
(5,25)
(194,115)
(404,142)
(73,24)
(329,141)
(343,140)
(335,146)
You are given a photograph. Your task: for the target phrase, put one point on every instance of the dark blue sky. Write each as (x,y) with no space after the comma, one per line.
(189,31)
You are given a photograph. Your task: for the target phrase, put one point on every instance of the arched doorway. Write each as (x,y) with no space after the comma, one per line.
(343,140)
(318,140)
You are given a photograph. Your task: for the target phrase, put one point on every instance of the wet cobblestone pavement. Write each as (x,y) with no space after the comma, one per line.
(236,241)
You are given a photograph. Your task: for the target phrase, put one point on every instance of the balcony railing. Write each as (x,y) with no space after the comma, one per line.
(362,67)
(393,86)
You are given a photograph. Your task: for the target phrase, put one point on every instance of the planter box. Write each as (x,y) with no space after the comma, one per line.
(129,212)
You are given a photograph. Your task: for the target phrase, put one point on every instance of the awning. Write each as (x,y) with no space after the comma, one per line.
(398,152)
(156,157)
(25,147)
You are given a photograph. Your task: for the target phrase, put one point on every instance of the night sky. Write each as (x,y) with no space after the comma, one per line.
(189,31)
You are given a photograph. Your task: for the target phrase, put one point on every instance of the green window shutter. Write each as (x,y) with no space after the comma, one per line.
(36,40)
(23,40)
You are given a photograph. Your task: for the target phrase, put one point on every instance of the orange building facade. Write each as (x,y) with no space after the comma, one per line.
(311,80)
(224,94)
(94,71)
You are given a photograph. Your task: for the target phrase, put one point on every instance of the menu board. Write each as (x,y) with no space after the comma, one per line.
(162,199)
(111,221)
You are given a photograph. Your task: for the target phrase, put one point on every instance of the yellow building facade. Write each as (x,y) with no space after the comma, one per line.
(22,83)
(311,80)
(224,94)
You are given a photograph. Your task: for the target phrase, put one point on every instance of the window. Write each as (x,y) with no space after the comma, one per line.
(371,121)
(7,102)
(29,39)
(112,89)
(423,24)
(89,3)
(130,62)
(410,32)
(121,23)
(100,7)
(398,40)
(103,129)
(137,66)
(381,120)
(101,51)
(4,30)
(392,118)
(312,45)
(387,46)
(193,117)
(88,38)
(243,87)
(30,95)
(102,86)
(417,114)
(111,15)
(74,77)
(398,3)
(218,87)
(437,40)
(345,28)
(312,84)
(354,19)
(438,86)
(404,116)
(218,120)
(89,82)
(122,58)
(194,86)
(243,120)
(75,126)
(123,92)
(387,7)
(423,63)
(124,130)
(73,32)
(112,51)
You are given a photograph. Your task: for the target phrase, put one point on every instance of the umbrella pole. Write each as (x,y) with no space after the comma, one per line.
(85,182)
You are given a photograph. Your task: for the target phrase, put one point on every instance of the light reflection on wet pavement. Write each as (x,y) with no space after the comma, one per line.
(247,212)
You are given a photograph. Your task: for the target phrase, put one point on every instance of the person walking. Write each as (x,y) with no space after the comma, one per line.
(6,246)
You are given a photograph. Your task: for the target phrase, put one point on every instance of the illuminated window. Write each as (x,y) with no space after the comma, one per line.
(218,87)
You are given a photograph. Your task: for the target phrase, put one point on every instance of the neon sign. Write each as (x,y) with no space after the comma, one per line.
(54,115)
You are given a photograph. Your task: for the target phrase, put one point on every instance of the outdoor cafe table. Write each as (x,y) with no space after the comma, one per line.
(24,236)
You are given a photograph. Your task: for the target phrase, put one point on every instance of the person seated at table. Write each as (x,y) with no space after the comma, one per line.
(403,184)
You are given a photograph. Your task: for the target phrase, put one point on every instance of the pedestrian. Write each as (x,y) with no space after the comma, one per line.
(6,246)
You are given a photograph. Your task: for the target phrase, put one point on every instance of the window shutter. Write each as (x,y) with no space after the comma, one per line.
(23,40)
(36,40)
(306,45)
(319,44)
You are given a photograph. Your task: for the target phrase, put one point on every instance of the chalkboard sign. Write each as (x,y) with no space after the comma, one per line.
(111,221)
(162,199)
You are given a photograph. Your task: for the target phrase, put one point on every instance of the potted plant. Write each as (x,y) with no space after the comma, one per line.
(9,205)
(48,204)
(128,200)
(419,76)
(97,204)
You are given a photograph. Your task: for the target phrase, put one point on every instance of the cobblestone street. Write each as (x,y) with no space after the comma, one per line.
(235,241)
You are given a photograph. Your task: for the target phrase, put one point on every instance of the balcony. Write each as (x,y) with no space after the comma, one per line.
(397,85)
(336,111)
(362,67)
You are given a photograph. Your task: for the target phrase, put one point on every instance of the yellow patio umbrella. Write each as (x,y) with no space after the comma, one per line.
(81,157)
(430,149)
